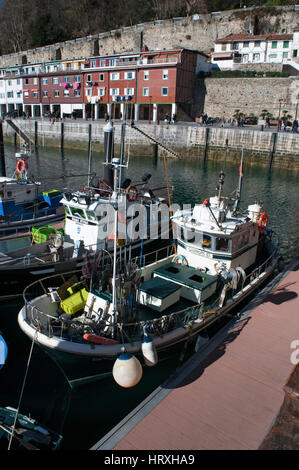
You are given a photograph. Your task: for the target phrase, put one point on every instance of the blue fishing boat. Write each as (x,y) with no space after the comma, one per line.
(22,203)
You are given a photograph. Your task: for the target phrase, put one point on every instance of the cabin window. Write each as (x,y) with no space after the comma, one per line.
(187,235)
(76,212)
(90,215)
(222,244)
(206,241)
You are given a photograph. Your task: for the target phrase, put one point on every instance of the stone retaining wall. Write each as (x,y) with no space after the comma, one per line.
(186,140)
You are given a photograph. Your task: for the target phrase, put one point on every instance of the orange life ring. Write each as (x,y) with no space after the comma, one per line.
(21,166)
(103,187)
(263,222)
(132,193)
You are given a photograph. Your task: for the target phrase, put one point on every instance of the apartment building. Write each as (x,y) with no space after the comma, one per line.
(147,85)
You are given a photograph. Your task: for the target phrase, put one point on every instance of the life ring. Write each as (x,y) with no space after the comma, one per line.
(263,222)
(132,193)
(103,187)
(21,166)
(181,258)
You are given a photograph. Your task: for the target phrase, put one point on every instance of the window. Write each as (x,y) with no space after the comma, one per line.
(88,92)
(93,63)
(9,82)
(245,58)
(88,78)
(222,244)
(114,91)
(101,91)
(55,80)
(69,66)
(274,45)
(272,56)
(35,94)
(45,81)
(246,44)
(235,45)
(45,93)
(112,62)
(77,93)
(129,91)
(56,93)
(165,74)
(102,63)
(66,93)
(101,77)
(129,75)
(146,75)
(206,241)
(10,94)
(77,79)
(223,47)
(257,43)
(114,76)
(66,79)
(256,57)
(286,44)
(285,55)
(164,91)
(26,94)
(35,81)
(26,81)
(145,92)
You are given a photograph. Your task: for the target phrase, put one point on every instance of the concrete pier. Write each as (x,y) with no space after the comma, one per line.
(228,395)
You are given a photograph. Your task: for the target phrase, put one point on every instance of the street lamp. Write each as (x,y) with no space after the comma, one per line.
(278,121)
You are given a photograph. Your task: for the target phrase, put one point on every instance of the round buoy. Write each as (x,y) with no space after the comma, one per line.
(149,352)
(3,352)
(127,370)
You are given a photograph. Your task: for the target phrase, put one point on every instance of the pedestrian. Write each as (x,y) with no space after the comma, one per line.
(268,122)
(295,126)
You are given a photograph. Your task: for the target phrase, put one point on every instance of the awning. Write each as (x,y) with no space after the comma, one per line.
(223,55)
(34,89)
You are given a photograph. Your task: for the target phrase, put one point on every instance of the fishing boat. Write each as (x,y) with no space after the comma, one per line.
(88,227)
(25,433)
(22,204)
(129,314)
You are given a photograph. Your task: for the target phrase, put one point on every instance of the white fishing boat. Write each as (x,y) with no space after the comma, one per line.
(88,227)
(134,311)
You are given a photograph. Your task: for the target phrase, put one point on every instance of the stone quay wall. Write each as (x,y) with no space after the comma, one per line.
(197,32)
(222,96)
(186,140)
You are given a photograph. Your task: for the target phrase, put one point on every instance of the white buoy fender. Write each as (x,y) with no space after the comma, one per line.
(149,352)
(127,370)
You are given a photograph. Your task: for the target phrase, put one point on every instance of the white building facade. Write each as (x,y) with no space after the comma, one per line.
(256,49)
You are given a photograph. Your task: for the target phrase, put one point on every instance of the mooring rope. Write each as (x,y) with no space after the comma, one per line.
(21,394)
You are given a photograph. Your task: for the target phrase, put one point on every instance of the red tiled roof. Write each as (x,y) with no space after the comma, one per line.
(251,37)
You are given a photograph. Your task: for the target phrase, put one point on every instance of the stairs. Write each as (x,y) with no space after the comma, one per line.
(19,131)
(155,141)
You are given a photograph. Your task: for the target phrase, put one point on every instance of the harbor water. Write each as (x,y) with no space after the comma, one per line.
(85,414)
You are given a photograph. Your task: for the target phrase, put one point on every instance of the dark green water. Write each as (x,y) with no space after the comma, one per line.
(84,415)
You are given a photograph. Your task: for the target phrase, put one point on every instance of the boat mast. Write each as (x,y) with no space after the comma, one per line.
(238,195)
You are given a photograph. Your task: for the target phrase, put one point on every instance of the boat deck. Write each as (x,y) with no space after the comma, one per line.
(228,394)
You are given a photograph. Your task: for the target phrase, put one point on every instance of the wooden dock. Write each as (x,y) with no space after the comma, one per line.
(228,395)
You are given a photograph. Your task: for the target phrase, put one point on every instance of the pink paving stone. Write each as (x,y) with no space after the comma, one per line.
(231,399)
